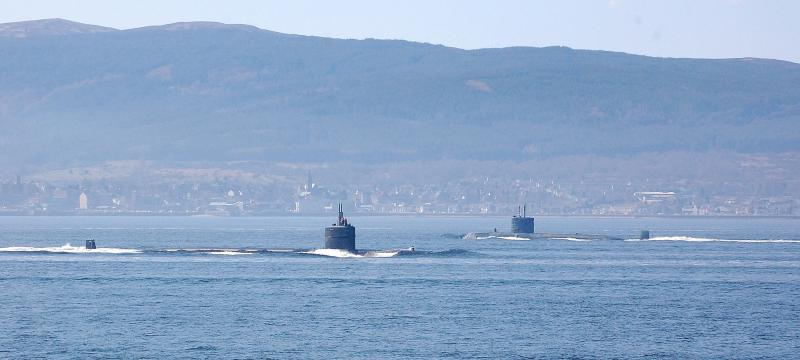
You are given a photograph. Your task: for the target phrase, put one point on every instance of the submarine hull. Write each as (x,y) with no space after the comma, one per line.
(535,236)
(340,237)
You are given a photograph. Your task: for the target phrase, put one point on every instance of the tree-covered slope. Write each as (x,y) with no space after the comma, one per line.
(205,91)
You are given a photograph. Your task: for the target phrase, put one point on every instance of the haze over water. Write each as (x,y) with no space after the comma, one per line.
(204,146)
(216,288)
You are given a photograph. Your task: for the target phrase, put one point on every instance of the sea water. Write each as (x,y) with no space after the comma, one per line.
(208,287)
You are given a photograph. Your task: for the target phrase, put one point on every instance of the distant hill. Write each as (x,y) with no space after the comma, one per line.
(48,27)
(209,91)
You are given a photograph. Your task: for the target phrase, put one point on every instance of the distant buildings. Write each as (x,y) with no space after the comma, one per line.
(302,195)
(652,197)
(83,201)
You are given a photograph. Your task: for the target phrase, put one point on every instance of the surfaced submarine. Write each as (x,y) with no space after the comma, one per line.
(522,228)
(341,235)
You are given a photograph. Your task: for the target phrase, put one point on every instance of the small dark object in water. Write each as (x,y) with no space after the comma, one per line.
(90,245)
(645,235)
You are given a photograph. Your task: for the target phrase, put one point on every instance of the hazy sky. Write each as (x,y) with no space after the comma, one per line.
(675,28)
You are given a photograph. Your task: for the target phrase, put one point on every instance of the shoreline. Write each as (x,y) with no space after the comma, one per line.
(314,215)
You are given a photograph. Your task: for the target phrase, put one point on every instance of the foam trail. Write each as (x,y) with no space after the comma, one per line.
(214,251)
(346,254)
(228,253)
(69,249)
(382,254)
(700,239)
(570,239)
(332,253)
(514,238)
(518,238)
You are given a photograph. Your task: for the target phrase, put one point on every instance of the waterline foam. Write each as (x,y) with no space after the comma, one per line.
(69,249)
(701,239)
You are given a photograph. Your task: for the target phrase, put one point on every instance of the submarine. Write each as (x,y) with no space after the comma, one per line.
(523,228)
(521,223)
(341,235)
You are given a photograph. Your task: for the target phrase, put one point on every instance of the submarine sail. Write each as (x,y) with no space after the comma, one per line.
(521,223)
(341,235)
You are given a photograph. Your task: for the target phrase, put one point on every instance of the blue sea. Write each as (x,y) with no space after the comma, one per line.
(258,288)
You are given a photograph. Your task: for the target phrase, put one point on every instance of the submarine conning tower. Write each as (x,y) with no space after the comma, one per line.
(341,235)
(90,245)
(521,223)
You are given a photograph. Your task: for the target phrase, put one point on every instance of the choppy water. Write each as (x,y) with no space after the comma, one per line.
(258,288)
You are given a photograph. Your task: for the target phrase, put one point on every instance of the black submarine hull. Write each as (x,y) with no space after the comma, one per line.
(341,237)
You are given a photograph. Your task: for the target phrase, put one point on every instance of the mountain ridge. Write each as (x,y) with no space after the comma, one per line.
(228,92)
(206,24)
(48,27)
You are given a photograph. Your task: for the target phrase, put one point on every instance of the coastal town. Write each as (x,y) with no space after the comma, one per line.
(304,196)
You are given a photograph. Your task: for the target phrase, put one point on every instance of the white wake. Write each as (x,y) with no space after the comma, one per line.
(701,239)
(346,254)
(69,249)
(570,239)
(513,238)
(228,253)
